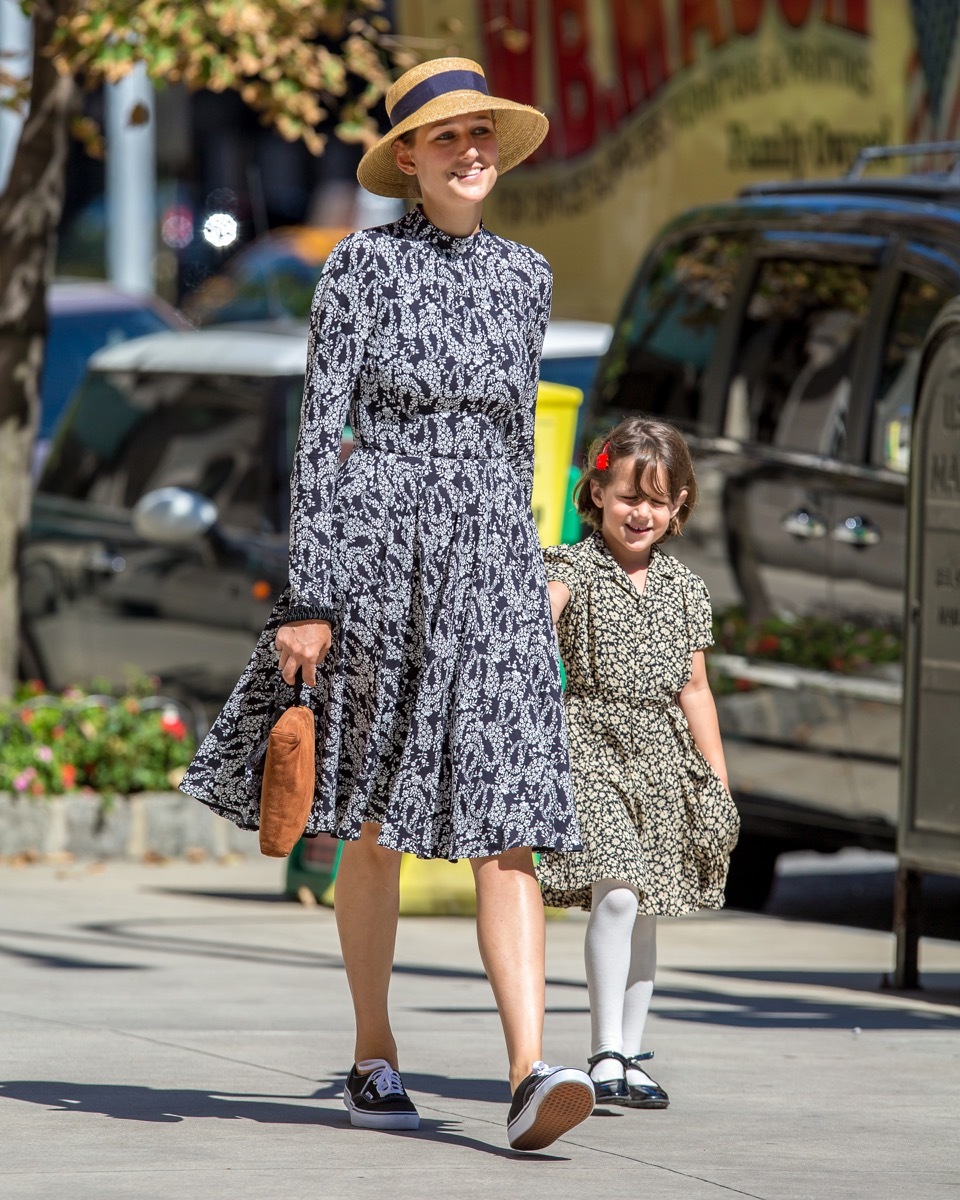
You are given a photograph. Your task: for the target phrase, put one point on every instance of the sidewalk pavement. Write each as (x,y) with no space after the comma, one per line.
(180,1031)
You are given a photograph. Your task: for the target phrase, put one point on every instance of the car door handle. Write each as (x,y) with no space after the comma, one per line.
(803,524)
(102,562)
(856,531)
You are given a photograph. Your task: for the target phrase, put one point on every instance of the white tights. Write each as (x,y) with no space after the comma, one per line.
(620,951)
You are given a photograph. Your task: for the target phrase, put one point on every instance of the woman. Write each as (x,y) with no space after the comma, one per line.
(417,605)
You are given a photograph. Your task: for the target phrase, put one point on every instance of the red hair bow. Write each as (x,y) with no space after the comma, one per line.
(603,458)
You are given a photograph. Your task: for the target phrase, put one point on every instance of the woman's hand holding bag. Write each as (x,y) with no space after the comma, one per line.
(289,775)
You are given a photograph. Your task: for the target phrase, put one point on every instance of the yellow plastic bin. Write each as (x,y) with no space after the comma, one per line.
(554,435)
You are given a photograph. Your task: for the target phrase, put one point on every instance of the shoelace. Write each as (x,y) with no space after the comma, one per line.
(384,1078)
(540,1068)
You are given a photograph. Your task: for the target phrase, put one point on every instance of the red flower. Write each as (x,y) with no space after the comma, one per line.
(68,775)
(768,643)
(172,724)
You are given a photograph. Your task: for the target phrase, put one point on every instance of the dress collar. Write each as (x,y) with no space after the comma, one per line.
(417,226)
(661,566)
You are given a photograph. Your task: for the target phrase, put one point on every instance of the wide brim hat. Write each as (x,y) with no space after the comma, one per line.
(436,91)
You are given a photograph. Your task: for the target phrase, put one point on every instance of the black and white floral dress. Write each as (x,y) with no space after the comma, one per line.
(652,810)
(439,711)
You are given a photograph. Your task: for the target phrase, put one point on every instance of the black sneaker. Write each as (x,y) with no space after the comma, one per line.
(547,1104)
(375,1098)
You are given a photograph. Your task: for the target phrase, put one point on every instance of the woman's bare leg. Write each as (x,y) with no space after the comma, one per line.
(510,931)
(367,906)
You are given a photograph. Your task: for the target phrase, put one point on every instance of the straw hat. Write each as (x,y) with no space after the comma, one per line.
(433,91)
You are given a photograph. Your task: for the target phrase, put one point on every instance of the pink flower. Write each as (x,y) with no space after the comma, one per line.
(44,754)
(22,781)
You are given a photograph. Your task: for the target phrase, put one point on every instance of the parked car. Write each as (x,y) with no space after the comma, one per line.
(84,316)
(272,280)
(572,351)
(159,527)
(782,331)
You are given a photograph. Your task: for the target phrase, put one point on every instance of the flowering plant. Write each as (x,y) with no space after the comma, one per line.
(51,744)
(816,643)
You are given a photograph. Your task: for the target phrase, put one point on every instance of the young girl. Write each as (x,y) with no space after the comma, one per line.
(650,782)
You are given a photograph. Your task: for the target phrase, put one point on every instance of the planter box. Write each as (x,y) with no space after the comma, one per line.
(163,823)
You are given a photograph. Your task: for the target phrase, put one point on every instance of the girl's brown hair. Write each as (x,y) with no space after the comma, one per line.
(649,444)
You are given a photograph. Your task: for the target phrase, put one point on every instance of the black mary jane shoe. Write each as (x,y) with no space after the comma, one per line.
(610,1091)
(644,1095)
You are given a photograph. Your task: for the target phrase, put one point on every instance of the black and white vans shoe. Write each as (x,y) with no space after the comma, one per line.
(548,1104)
(375,1097)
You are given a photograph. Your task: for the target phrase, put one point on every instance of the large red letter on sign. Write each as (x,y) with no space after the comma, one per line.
(509,71)
(641,48)
(796,11)
(699,14)
(746,15)
(577,87)
(854,15)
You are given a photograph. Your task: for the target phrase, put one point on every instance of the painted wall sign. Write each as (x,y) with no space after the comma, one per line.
(656,105)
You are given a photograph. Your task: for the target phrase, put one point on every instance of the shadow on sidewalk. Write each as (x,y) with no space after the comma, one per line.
(131,1102)
(702,1005)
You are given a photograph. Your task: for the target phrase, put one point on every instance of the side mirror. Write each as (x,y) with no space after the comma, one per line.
(173,516)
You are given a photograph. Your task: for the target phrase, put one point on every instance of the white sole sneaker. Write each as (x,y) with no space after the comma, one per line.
(547,1104)
(361,1119)
(375,1097)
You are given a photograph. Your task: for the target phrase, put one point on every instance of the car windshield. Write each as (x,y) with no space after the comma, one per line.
(129,434)
(665,335)
(261,289)
(72,338)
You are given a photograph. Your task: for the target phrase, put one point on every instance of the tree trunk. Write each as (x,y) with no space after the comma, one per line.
(30,210)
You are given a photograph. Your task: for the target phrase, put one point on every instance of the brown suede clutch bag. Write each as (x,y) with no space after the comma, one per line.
(289,772)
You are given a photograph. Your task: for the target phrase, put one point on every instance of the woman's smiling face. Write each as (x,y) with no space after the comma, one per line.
(455,160)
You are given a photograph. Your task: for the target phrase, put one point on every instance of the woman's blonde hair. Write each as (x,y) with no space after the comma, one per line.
(650,444)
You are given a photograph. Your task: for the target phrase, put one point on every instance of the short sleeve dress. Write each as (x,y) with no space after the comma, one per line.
(652,810)
(439,710)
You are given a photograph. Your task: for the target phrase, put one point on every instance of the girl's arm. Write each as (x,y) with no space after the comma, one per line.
(696,701)
(559,596)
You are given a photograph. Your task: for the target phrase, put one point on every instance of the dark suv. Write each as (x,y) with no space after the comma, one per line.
(782,331)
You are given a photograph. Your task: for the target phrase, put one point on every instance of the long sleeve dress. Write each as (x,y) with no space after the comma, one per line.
(439,711)
(652,810)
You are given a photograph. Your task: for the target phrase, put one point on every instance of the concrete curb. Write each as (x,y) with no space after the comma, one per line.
(124,827)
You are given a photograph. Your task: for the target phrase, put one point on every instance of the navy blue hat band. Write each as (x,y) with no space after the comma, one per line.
(434,86)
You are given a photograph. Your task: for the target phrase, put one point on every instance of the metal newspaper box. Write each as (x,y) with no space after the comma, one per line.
(929,829)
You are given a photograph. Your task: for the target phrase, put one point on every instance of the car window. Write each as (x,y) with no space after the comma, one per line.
(263,288)
(129,434)
(72,338)
(918,302)
(664,338)
(790,385)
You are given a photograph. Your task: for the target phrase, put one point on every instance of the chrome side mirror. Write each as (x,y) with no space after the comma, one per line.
(173,515)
